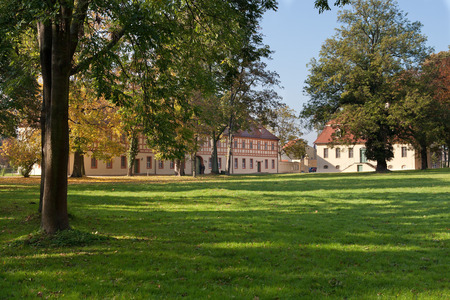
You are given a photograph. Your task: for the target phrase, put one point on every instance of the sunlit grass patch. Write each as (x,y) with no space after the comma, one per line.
(290,236)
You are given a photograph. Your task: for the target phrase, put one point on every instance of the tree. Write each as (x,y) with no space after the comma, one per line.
(422,110)
(88,37)
(354,80)
(418,112)
(438,68)
(20,101)
(323,5)
(246,104)
(24,151)
(95,126)
(296,148)
(285,125)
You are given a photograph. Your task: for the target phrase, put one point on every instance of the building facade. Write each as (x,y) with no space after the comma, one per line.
(302,165)
(253,151)
(352,158)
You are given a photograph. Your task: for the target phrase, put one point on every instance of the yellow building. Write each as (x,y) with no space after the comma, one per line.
(253,151)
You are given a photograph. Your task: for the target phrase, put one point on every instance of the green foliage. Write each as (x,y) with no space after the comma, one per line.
(423,108)
(285,124)
(113,44)
(19,89)
(296,149)
(24,151)
(323,5)
(95,123)
(355,78)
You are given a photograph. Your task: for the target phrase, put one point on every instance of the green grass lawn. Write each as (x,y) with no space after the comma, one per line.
(355,236)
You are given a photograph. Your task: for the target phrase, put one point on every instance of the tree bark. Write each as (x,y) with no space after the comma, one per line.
(230,146)
(424,158)
(130,167)
(45,53)
(214,158)
(179,167)
(132,152)
(194,164)
(56,131)
(78,165)
(58,40)
(446,159)
(382,166)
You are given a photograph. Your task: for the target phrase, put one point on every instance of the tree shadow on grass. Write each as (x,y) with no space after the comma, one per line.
(170,243)
(224,254)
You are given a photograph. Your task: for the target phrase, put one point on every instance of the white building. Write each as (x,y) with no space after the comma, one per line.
(351,158)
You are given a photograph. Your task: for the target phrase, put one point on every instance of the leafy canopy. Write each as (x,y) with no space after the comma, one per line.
(354,79)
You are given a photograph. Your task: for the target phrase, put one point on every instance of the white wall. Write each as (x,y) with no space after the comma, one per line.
(344,163)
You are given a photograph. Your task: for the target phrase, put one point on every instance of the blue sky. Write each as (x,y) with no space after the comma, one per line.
(296,32)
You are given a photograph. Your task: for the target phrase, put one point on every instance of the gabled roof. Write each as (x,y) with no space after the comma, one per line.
(258,132)
(326,136)
(328,133)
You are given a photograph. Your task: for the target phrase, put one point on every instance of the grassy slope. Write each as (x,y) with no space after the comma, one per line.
(277,236)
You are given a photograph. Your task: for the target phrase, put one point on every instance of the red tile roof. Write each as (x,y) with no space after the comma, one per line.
(327,135)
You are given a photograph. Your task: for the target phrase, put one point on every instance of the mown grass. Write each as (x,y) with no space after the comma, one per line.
(309,236)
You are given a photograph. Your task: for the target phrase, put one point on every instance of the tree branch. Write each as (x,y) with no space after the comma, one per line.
(116,36)
(77,28)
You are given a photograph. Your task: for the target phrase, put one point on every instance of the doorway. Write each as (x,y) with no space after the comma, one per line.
(259,166)
(137,169)
(199,165)
(362,155)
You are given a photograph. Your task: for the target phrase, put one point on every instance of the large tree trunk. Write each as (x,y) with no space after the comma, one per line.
(56,141)
(45,52)
(445,162)
(78,165)
(229,154)
(214,158)
(179,167)
(382,166)
(230,146)
(194,164)
(132,152)
(424,158)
